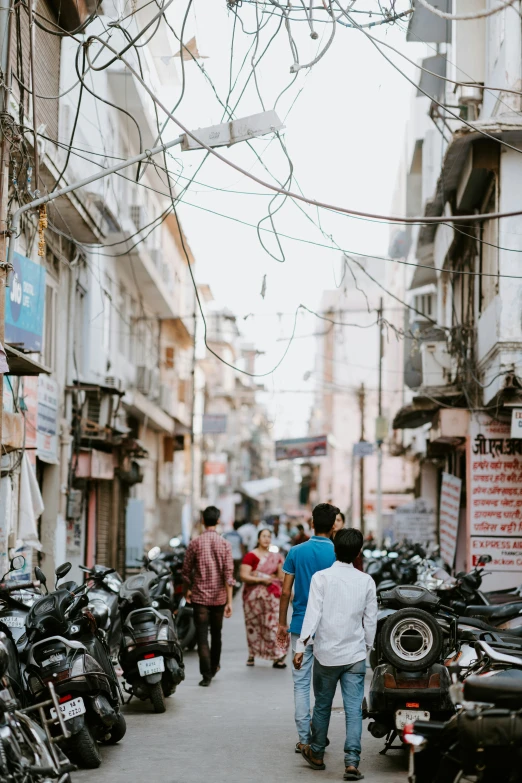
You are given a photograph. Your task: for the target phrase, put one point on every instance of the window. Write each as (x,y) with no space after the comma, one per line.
(169,357)
(49,341)
(489,255)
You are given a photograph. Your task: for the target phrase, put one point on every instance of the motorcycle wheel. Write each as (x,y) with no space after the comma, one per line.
(118,731)
(411,640)
(186,632)
(84,749)
(157,698)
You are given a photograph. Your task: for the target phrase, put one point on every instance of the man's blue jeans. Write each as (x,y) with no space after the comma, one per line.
(352,686)
(302,684)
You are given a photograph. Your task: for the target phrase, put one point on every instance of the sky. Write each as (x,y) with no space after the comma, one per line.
(345,121)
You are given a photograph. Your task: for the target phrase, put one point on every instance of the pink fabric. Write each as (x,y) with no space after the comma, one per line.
(261,606)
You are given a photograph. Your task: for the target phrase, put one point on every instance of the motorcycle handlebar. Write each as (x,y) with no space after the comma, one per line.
(6,587)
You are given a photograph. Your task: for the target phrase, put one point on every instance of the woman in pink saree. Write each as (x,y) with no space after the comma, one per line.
(262,575)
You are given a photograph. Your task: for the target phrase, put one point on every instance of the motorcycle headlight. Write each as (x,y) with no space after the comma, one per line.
(163,633)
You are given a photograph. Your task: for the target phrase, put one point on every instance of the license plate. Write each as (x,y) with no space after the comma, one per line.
(405,717)
(12,621)
(151,666)
(70,709)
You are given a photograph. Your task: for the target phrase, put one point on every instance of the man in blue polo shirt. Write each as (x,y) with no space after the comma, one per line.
(302,562)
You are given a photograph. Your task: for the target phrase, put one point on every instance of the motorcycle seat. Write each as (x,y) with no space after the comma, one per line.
(138,587)
(496,613)
(474,622)
(503,689)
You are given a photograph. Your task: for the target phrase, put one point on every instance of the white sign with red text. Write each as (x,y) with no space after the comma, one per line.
(495,494)
(449,516)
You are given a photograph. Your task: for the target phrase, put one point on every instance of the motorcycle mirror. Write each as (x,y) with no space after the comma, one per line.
(484,559)
(62,571)
(174,542)
(41,577)
(17,563)
(153,553)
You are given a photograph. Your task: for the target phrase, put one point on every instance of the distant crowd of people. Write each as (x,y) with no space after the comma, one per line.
(333,619)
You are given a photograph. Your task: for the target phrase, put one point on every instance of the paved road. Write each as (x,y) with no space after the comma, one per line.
(239,730)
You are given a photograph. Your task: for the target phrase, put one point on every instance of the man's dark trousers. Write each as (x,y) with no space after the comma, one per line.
(208,618)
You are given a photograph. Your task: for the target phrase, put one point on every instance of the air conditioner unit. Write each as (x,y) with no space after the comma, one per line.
(439,368)
(114,382)
(138,215)
(96,416)
(143,379)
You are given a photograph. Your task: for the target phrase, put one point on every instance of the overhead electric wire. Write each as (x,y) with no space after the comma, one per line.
(313,202)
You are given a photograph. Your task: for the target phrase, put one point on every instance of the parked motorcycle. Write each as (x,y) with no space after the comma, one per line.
(66,648)
(103,593)
(410,681)
(171,562)
(150,656)
(483,739)
(27,751)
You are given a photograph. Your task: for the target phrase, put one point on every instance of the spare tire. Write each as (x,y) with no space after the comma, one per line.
(411,640)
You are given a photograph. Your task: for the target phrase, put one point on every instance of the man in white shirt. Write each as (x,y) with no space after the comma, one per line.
(342,613)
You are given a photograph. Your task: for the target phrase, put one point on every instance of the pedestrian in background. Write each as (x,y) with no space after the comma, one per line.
(261,572)
(300,537)
(248,532)
(341,618)
(301,564)
(208,574)
(236,542)
(358,563)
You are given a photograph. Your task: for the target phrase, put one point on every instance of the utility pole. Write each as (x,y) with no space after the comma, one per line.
(5,64)
(192,420)
(379,434)
(362,401)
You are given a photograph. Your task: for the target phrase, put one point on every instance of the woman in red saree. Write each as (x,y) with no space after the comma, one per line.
(262,575)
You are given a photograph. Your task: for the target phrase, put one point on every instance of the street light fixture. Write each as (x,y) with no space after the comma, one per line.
(225,134)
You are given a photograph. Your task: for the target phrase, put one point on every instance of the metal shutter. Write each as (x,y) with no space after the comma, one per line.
(103,523)
(47,64)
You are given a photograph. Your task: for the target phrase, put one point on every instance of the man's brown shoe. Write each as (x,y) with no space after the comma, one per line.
(306,753)
(352,773)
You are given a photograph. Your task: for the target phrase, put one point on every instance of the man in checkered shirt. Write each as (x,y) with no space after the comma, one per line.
(208,574)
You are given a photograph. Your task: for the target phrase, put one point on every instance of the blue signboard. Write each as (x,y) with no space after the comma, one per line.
(25,304)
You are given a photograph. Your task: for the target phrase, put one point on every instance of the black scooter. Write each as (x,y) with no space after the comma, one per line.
(150,656)
(410,681)
(103,593)
(66,648)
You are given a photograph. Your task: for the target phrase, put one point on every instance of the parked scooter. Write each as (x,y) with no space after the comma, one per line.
(65,647)
(103,593)
(483,740)
(171,562)
(410,681)
(151,657)
(27,751)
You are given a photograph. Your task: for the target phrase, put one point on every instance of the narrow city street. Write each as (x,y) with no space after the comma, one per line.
(239,729)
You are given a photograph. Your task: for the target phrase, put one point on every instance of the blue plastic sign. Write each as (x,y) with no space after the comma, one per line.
(25,304)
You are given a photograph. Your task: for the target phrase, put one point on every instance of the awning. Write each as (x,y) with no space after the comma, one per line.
(260,487)
(409,417)
(21,364)
(505,126)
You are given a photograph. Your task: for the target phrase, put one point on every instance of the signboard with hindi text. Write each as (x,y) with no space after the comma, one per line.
(449,517)
(495,496)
